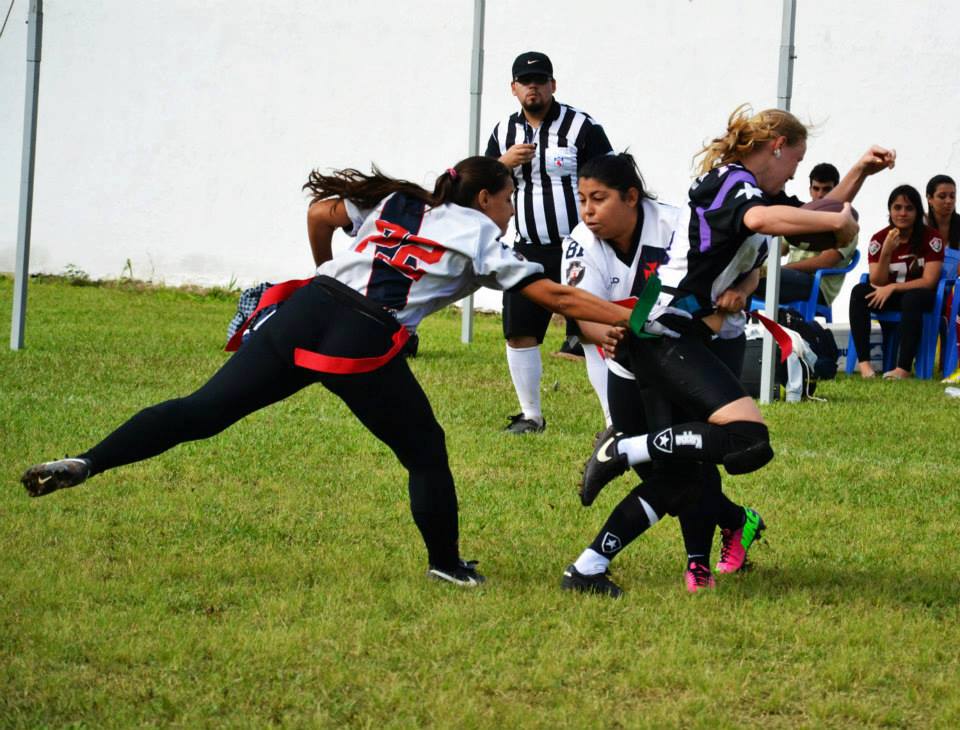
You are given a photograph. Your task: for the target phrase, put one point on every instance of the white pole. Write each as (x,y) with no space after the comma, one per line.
(476,93)
(21,273)
(784,93)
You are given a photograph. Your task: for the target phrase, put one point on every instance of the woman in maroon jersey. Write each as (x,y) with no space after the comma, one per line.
(905,261)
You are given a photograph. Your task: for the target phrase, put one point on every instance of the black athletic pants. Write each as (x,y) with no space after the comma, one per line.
(388,401)
(911,304)
(690,490)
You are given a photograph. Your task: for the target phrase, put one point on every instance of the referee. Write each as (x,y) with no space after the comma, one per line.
(544,144)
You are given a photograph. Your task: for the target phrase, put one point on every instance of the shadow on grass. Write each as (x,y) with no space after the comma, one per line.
(827,585)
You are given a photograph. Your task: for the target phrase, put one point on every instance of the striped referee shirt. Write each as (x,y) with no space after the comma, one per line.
(546,194)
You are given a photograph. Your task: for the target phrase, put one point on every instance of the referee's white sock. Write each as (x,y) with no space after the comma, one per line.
(635,449)
(591,562)
(526,370)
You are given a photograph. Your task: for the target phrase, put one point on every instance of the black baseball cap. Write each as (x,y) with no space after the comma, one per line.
(530,63)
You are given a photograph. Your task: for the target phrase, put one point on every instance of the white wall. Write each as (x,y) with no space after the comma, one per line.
(177,134)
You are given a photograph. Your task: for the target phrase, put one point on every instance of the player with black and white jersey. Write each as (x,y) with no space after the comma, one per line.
(545,144)
(414,252)
(624,238)
(735,205)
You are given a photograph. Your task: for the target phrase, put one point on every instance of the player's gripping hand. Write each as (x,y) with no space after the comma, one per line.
(611,339)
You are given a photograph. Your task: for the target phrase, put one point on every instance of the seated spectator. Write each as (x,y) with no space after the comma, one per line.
(905,261)
(942,215)
(796,276)
(942,209)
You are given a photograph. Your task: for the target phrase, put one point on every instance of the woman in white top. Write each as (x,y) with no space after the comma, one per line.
(414,252)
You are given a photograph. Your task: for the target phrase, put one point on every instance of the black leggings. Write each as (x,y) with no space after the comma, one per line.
(912,304)
(388,401)
(689,489)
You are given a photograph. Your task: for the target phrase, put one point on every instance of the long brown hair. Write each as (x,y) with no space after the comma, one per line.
(459,184)
(747,131)
(953,232)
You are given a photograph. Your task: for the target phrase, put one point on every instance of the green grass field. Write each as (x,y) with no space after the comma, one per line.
(273,576)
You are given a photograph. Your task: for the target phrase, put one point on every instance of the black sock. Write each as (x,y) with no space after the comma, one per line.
(625,524)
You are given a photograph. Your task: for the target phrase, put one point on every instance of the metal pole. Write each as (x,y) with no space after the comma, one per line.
(476,93)
(21,273)
(784,94)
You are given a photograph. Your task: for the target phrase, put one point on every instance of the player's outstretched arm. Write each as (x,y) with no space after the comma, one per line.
(575,303)
(785,220)
(873,160)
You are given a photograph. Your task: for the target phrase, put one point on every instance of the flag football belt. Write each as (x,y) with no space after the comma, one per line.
(348,297)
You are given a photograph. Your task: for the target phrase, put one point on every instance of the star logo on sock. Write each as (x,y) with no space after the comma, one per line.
(610,543)
(664,441)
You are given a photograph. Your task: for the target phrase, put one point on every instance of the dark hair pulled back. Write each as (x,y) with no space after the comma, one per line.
(459,185)
(913,195)
(617,171)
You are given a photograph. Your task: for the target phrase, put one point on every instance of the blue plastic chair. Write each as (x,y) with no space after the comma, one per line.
(927,352)
(949,352)
(811,307)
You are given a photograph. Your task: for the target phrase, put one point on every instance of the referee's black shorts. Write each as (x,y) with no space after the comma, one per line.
(521,317)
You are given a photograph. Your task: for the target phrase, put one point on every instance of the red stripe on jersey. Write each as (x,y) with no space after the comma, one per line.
(349,365)
(401,245)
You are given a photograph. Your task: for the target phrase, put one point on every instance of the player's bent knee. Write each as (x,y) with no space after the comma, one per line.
(750,447)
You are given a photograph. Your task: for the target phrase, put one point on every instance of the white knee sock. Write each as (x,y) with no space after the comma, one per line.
(591,562)
(526,369)
(635,449)
(597,373)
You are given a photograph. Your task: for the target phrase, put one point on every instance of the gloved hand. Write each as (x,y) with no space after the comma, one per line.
(653,328)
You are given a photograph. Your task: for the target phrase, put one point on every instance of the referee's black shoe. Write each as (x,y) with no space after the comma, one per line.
(574,580)
(42,479)
(465,574)
(519,424)
(604,465)
(571,349)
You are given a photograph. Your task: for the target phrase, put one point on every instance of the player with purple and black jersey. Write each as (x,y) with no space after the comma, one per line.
(734,206)
(625,238)
(414,252)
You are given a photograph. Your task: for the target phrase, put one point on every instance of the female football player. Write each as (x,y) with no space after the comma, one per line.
(414,252)
(735,205)
(622,240)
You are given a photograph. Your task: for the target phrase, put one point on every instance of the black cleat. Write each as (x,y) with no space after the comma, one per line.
(604,465)
(518,424)
(50,476)
(606,433)
(571,349)
(465,574)
(574,580)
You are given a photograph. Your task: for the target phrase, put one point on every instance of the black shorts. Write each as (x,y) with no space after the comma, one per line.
(637,407)
(688,372)
(521,317)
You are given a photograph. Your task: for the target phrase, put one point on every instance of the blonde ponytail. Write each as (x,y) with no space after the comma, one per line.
(747,131)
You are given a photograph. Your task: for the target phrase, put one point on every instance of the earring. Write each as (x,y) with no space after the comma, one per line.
(776,153)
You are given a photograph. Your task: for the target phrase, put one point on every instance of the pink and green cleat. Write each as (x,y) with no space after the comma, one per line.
(734,544)
(698,577)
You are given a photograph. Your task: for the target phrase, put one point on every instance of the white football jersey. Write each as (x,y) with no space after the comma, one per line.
(596,267)
(414,259)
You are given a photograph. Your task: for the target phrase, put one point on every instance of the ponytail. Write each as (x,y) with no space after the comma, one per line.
(746,133)
(460,184)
